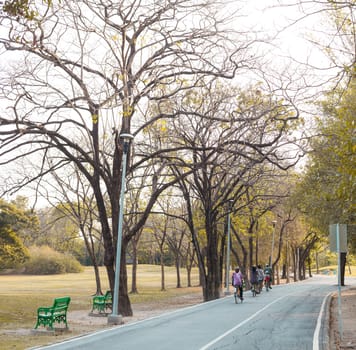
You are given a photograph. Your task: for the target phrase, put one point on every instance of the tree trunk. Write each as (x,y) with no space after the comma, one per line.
(134,289)
(295,264)
(309,267)
(277,270)
(241,263)
(189,266)
(256,251)
(125,308)
(111,275)
(91,251)
(189,276)
(97,280)
(223,258)
(179,284)
(163,286)
(284,272)
(213,285)
(250,249)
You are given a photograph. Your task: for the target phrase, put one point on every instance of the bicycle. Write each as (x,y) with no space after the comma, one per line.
(268,282)
(254,289)
(237,295)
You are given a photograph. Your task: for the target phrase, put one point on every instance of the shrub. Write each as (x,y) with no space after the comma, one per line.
(12,251)
(46,261)
(72,264)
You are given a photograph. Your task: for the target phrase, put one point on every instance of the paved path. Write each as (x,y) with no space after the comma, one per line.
(288,317)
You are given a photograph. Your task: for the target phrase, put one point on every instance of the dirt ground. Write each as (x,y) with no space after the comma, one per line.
(84,322)
(348,324)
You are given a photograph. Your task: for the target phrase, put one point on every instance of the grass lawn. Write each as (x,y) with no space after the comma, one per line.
(350,271)
(21,295)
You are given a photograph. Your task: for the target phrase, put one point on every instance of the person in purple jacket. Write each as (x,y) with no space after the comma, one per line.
(237,282)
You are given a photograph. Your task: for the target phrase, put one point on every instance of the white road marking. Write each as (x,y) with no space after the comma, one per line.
(318,324)
(241,324)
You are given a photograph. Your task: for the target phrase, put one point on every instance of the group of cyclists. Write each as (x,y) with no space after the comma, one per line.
(259,278)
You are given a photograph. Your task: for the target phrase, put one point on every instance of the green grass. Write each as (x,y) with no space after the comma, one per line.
(350,271)
(21,295)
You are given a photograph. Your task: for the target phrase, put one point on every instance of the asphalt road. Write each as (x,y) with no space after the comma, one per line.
(287,317)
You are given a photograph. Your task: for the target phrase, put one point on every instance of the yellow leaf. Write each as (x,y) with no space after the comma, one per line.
(94,118)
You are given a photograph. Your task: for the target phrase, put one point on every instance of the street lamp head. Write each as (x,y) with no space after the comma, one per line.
(230,202)
(274,223)
(127,139)
(126,136)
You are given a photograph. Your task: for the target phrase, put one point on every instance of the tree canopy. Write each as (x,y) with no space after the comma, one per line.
(13,223)
(327,191)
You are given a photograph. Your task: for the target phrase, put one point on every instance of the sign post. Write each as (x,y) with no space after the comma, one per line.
(338,243)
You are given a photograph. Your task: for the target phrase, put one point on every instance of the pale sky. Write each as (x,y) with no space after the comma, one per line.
(292,40)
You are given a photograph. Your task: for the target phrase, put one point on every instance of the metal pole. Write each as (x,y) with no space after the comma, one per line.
(227,282)
(272,248)
(339,279)
(115,317)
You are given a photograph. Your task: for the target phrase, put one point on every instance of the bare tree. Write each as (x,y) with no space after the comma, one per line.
(71,195)
(180,248)
(88,70)
(228,136)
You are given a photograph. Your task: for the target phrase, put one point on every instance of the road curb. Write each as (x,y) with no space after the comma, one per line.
(325,326)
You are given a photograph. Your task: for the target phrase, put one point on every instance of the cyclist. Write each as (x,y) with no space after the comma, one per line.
(261,277)
(254,280)
(268,276)
(237,282)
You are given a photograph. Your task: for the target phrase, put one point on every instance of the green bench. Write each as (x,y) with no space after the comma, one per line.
(57,313)
(102,302)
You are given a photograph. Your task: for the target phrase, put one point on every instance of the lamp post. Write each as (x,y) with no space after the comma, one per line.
(227,284)
(115,317)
